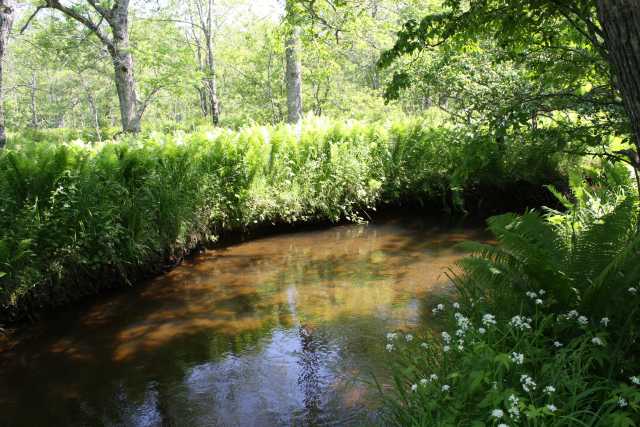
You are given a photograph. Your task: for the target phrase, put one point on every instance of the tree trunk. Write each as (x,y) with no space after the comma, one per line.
(293,76)
(211,83)
(34,110)
(123,72)
(6,21)
(620,21)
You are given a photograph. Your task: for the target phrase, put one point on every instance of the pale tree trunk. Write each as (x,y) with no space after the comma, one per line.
(293,76)
(123,71)
(34,110)
(210,83)
(7,9)
(92,107)
(620,21)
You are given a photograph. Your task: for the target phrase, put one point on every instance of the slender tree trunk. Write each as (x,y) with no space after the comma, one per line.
(7,9)
(620,21)
(34,110)
(212,84)
(94,110)
(293,76)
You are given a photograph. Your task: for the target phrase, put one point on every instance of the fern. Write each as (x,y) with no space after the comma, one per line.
(589,269)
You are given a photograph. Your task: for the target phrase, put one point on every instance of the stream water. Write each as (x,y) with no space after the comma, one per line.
(284,330)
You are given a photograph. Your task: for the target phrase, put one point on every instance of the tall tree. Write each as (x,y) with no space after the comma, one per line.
(293,73)
(620,21)
(92,14)
(203,34)
(7,10)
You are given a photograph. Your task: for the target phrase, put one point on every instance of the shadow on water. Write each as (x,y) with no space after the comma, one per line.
(282,330)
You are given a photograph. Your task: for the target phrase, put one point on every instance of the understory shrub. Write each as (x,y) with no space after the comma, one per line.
(79,216)
(546,327)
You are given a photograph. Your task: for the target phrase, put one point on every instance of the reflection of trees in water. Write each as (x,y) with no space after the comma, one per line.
(309,379)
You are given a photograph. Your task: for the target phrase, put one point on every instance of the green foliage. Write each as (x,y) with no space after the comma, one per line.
(510,66)
(553,304)
(77,216)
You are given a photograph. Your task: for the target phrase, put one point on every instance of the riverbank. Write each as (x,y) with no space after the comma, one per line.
(79,218)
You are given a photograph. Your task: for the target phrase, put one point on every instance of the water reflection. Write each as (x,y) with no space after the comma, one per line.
(283,330)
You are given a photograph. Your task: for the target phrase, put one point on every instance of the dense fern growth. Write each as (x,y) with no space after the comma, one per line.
(546,330)
(80,216)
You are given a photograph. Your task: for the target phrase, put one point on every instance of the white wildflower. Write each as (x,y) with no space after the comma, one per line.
(463,324)
(482,331)
(538,301)
(552,408)
(542,292)
(390,347)
(460,347)
(557,344)
(456,305)
(635,380)
(583,320)
(597,341)
(503,425)
(408,337)
(424,381)
(414,387)
(633,291)
(527,383)
(446,337)
(571,315)
(488,319)
(497,413)
(517,358)
(433,377)
(549,389)
(532,295)
(604,321)
(446,387)
(514,409)
(520,322)
(424,345)
(446,348)
(438,309)
(622,402)
(391,336)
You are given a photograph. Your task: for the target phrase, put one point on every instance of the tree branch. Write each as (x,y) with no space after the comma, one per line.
(31,17)
(86,21)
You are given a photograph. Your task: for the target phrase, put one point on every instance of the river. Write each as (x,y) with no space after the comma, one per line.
(281,330)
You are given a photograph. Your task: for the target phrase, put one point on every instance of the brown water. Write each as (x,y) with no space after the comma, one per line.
(285,330)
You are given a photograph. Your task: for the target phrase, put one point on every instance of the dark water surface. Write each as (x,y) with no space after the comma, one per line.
(284,330)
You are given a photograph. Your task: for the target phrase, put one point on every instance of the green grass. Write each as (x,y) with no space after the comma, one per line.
(76,217)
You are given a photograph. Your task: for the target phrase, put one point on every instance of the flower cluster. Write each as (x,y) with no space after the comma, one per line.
(520,322)
(438,308)
(527,383)
(514,407)
(488,320)
(517,358)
